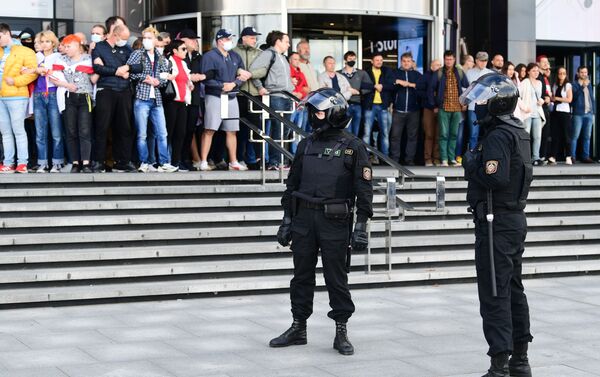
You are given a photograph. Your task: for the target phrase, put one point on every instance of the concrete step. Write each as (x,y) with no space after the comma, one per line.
(257,265)
(254,283)
(540,207)
(203,233)
(155,220)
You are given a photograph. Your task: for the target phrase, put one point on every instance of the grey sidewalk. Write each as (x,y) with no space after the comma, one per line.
(408,331)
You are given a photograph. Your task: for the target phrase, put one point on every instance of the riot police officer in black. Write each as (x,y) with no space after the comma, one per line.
(499,173)
(329,177)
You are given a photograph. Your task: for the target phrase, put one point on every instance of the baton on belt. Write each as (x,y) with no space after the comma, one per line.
(490,221)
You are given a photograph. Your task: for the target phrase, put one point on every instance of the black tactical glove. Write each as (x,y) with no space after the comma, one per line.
(469,163)
(284,234)
(360,238)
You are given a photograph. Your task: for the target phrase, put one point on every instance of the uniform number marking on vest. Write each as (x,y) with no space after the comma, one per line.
(491,167)
(328,151)
(367,174)
(349,152)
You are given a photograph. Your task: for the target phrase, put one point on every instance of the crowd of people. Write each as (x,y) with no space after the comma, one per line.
(70,105)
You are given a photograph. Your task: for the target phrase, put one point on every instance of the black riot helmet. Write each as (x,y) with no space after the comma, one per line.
(496,90)
(332,103)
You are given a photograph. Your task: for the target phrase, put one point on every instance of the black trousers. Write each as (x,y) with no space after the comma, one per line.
(243,134)
(176,116)
(400,122)
(114,111)
(311,233)
(78,124)
(506,317)
(561,123)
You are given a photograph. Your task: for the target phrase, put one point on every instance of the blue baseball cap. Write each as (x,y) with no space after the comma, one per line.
(223,33)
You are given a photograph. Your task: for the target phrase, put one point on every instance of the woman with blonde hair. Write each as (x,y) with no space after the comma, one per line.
(45,105)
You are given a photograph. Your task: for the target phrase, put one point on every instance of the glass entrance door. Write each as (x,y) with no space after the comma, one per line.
(178,22)
(328,44)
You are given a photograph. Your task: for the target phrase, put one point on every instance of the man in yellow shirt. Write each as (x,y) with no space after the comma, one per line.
(376,104)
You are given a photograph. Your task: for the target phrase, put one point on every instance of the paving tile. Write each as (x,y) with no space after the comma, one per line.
(141,334)
(391,368)
(131,351)
(44,358)
(120,369)
(209,363)
(34,372)
(45,339)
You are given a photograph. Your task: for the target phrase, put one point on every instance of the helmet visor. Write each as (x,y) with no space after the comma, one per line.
(321,102)
(478,93)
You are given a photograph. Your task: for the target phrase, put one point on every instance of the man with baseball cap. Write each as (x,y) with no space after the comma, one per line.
(248,50)
(226,72)
(481,60)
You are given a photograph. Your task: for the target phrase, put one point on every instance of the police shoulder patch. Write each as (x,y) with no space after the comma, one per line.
(367,173)
(349,152)
(491,167)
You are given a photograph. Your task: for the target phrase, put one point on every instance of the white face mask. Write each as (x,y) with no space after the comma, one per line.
(148,44)
(96,38)
(121,42)
(228,45)
(161,50)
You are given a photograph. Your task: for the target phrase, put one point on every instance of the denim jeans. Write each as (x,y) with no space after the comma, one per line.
(143,111)
(355,111)
(12,127)
(45,111)
(448,123)
(582,126)
(533,126)
(473,129)
(382,115)
(274,127)
(299,117)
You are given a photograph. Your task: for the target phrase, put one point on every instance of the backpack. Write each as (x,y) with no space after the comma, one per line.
(273,57)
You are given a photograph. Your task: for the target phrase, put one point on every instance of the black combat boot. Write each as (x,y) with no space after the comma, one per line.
(499,366)
(519,363)
(341,342)
(295,335)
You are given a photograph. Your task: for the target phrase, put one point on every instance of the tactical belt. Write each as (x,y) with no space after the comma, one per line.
(311,205)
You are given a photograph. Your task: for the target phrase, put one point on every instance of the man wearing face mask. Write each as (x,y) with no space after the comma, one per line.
(361,85)
(329,177)
(227,74)
(97,35)
(113,99)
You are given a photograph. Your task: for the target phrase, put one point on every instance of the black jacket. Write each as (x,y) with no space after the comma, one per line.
(387,80)
(112,58)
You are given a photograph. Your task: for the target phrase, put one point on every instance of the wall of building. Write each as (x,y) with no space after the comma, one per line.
(91,12)
(521,39)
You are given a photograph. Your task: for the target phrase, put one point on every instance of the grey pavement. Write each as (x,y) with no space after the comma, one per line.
(425,331)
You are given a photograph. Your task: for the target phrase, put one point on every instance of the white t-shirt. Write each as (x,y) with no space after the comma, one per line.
(152,92)
(563,107)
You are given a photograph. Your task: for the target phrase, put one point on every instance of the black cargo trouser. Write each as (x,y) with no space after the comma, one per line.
(312,232)
(505,317)
(113,111)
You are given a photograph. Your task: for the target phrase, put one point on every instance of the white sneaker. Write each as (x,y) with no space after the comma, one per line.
(42,169)
(197,165)
(568,161)
(237,166)
(444,163)
(143,168)
(152,169)
(204,166)
(56,168)
(167,168)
